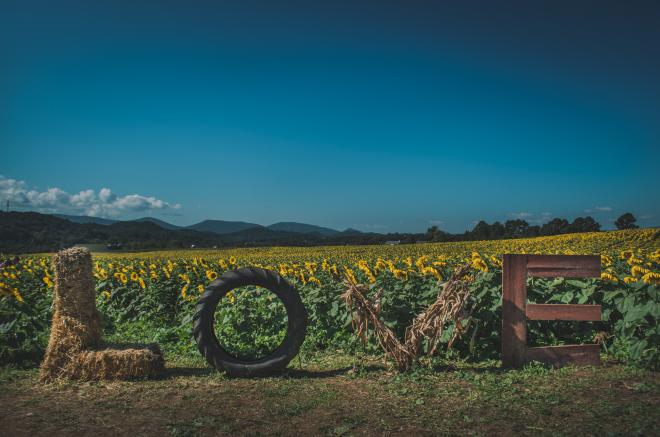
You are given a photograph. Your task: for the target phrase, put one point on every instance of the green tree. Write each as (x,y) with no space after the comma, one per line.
(516,228)
(435,234)
(626,221)
(555,226)
(481,231)
(584,224)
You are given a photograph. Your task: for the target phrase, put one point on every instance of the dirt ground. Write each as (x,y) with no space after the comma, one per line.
(331,395)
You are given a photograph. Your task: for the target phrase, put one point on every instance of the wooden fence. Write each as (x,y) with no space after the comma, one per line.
(516,311)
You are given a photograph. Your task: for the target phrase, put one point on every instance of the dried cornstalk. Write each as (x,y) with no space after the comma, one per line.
(448,306)
(365,312)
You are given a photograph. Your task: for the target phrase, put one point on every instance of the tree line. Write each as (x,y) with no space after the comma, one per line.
(519,228)
(23,232)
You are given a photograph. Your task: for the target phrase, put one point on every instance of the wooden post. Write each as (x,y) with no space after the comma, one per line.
(514,300)
(516,311)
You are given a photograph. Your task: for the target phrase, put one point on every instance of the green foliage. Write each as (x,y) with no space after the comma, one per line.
(254,324)
(634,316)
(626,221)
(24,327)
(250,323)
(23,331)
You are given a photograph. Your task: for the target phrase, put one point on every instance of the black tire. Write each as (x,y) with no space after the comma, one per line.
(210,347)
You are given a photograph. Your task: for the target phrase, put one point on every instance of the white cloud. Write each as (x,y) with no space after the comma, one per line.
(436,222)
(531,218)
(106,195)
(87,202)
(521,215)
(599,209)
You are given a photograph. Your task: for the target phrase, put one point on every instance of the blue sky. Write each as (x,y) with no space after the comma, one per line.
(380,116)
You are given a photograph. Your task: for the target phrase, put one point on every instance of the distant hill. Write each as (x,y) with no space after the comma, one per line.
(85,219)
(24,232)
(161,223)
(222,227)
(302,228)
(102,221)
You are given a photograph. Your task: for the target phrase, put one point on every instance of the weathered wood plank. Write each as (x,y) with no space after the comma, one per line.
(564,261)
(548,272)
(515,311)
(590,313)
(568,266)
(514,298)
(582,355)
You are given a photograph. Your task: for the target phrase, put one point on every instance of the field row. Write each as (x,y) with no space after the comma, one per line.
(151,296)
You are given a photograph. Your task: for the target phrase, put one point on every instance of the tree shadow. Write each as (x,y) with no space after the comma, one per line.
(292,373)
(313,374)
(174,372)
(450,368)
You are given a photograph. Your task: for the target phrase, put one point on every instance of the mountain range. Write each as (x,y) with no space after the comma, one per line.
(24,232)
(220,227)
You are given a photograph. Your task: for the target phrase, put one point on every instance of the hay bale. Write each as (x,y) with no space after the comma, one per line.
(75,299)
(117,363)
(75,347)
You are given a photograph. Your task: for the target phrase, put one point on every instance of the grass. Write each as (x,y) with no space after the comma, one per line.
(336,394)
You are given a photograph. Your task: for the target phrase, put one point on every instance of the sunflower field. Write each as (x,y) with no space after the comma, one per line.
(151,296)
